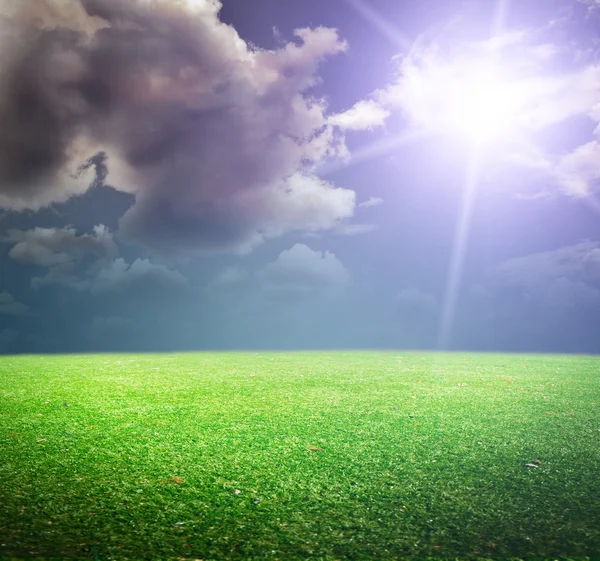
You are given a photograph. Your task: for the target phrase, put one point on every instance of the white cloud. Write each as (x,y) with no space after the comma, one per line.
(371,201)
(354,229)
(579,171)
(305,202)
(11,307)
(560,97)
(502,41)
(592,4)
(364,115)
(302,269)
(545,51)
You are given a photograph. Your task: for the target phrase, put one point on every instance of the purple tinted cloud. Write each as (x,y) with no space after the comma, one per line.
(217,140)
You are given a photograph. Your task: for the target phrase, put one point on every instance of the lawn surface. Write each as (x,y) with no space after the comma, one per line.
(299,456)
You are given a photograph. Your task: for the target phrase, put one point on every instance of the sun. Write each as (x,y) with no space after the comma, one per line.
(483,106)
(473,100)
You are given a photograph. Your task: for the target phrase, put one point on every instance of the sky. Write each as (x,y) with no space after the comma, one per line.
(258,174)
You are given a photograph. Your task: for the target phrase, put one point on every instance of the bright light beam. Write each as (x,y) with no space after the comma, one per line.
(500,17)
(459,248)
(461,237)
(380,23)
(374,150)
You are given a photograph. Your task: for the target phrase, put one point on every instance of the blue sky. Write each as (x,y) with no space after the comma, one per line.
(194,174)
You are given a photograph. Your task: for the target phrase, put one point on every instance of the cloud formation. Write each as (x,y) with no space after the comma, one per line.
(86,262)
(575,262)
(371,201)
(579,171)
(119,276)
(11,307)
(346,229)
(229,276)
(592,4)
(546,301)
(364,115)
(302,269)
(50,247)
(216,139)
(430,78)
(558,281)
(450,92)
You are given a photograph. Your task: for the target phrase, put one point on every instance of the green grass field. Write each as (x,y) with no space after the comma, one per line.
(299,456)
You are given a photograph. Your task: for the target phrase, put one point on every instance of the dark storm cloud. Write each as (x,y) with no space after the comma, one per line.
(42,109)
(216,140)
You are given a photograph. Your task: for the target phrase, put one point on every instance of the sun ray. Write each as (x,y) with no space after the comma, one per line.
(500,15)
(374,150)
(459,248)
(473,170)
(380,23)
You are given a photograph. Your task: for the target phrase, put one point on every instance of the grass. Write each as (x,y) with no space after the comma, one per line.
(299,456)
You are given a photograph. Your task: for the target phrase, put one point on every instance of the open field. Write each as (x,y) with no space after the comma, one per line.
(299,456)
